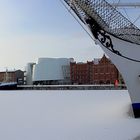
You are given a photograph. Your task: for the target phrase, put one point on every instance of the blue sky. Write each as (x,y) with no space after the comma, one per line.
(30,29)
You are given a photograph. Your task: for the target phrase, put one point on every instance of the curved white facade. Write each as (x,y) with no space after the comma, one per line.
(29,72)
(50,69)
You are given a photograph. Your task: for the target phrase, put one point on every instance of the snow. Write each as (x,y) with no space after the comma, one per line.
(67,115)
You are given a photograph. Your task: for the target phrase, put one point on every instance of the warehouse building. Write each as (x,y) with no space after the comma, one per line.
(12,76)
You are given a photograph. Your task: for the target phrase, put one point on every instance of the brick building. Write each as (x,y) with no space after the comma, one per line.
(12,76)
(99,71)
(81,73)
(105,72)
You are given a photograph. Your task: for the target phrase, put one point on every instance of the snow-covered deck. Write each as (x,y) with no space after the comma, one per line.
(67,115)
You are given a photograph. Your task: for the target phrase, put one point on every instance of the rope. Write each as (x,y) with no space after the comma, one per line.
(69,10)
(127,14)
(117,3)
(136,19)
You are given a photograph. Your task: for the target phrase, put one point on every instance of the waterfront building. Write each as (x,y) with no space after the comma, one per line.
(99,71)
(105,72)
(59,71)
(29,73)
(12,76)
(52,71)
(81,73)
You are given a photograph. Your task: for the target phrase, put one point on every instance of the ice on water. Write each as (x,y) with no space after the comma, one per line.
(67,115)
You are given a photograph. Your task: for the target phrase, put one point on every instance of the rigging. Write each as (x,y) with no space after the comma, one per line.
(131,5)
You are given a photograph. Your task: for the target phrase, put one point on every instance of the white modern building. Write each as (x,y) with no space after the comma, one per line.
(29,73)
(52,71)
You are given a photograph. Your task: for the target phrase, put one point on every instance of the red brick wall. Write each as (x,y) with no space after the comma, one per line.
(80,73)
(11,77)
(89,73)
(105,72)
(2,76)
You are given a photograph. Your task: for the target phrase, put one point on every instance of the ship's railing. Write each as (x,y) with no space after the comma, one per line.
(107,17)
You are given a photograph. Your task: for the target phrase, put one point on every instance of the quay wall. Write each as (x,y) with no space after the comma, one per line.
(70,87)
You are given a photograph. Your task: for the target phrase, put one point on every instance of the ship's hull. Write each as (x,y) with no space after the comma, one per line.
(8,86)
(118,37)
(126,57)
